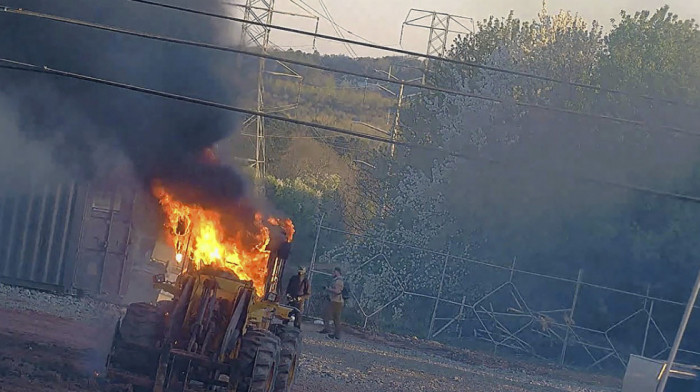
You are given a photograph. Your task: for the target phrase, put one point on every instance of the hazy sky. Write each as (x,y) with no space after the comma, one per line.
(380,21)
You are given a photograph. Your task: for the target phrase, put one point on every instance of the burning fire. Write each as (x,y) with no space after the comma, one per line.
(287,225)
(199,234)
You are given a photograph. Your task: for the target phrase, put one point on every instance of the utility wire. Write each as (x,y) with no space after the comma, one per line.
(416,54)
(335,27)
(329,69)
(327,17)
(297,137)
(324,17)
(23,66)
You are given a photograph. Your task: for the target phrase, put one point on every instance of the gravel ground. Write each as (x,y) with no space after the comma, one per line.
(356,364)
(72,308)
(58,343)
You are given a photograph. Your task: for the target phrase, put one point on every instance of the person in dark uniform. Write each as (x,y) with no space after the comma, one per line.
(298,291)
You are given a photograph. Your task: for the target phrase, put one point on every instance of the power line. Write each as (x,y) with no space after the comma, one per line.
(275,11)
(329,69)
(417,54)
(335,27)
(22,66)
(321,15)
(299,137)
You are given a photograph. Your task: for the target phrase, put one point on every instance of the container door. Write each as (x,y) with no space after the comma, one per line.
(104,243)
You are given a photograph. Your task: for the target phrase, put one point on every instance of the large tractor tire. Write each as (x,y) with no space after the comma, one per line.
(135,346)
(290,338)
(260,354)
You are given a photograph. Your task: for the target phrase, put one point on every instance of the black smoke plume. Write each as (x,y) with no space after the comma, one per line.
(94,129)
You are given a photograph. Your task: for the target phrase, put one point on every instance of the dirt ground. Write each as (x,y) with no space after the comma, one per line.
(42,352)
(46,352)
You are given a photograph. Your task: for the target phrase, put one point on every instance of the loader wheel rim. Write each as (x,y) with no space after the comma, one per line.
(292,371)
(236,349)
(270,378)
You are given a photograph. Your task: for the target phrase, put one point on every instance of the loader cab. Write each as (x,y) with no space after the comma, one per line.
(269,309)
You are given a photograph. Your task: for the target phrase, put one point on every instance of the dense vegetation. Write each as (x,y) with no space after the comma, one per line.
(526,193)
(312,172)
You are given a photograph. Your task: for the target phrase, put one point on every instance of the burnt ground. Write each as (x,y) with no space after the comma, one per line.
(45,348)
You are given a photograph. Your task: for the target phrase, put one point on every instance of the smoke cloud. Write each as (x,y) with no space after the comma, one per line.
(92,130)
(19,155)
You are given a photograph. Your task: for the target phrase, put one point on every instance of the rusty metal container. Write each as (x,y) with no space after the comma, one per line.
(101,265)
(36,235)
(72,238)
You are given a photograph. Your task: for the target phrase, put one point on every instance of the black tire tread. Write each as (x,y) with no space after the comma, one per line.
(135,346)
(290,338)
(255,378)
(142,325)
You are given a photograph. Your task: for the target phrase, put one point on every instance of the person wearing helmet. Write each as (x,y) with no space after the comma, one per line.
(298,291)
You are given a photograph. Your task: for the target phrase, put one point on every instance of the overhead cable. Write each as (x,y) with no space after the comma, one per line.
(23,66)
(205,45)
(416,54)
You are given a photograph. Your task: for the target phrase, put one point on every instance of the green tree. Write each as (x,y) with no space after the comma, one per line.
(654,53)
(520,207)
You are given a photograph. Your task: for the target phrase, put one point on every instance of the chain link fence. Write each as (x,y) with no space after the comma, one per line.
(435,294)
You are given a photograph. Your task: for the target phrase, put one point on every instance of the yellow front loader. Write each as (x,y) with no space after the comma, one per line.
(216,334)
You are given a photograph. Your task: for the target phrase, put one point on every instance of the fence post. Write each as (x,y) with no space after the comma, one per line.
(646,329)
(571,317)
(679,335)
(461,315)
(312,264)
(437,300)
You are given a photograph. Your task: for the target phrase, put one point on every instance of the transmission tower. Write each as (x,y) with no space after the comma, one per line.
(261,11)
(400,98)
(440,26)
(394,122)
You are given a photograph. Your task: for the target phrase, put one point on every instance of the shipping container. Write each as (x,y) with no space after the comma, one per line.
(74,238)
(37,230)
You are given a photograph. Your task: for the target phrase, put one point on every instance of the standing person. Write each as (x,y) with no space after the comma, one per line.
(335,304)
(298,291)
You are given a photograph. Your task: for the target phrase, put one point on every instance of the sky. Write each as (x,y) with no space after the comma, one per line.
(380,21)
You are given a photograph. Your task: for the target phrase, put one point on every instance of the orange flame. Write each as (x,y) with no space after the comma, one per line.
(200,234)
(286,225)
(209,156)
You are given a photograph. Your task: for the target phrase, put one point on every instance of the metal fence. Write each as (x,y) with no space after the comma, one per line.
(508,307)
